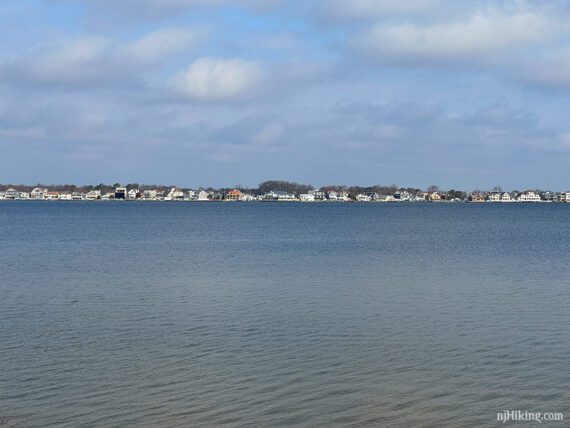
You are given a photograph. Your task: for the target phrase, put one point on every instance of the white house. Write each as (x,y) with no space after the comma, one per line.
(529,196)
(506,197)
(494,197)
(24,195)
(52,196)
(175,194)
(203,195)
(93,195)
(39,193)
(361,197)
(318,194)
(134,194)
(332,195)
(278,195)
(65,197)
(150,195)
(11,194)
(307,197)
(2,195)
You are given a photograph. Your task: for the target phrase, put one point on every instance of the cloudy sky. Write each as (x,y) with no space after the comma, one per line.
(458,93)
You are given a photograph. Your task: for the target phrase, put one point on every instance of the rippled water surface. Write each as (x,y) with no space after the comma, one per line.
(165,314)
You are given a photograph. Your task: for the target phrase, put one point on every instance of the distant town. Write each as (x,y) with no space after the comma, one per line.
(276,191)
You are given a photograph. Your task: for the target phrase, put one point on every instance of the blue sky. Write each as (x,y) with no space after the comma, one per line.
(464,94)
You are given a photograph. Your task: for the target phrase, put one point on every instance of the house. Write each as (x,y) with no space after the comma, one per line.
(233,195)
(278,195)
(318,194)
(11,194)
(494,197)
(121,193)
(52,196)
(65,197)
(191,195)
(402,196)
(245,197)
(175,194)
(478,197)
(108,196)
(565,197)
(134,194)
(150,195)
(203,195)
(307,197)
(529,196)
(2,195)
(24,195)
(77,196)
(506,197)
(93,195)
(39,193)
(363,198)
(374,197)
(435,197)
(343,197)
(332,196)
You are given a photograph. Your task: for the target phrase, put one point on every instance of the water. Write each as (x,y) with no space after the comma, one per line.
(317,315)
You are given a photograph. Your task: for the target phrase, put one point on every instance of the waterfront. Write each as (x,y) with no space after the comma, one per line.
(172,314)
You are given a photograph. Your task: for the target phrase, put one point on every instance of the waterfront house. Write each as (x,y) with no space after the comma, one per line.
(134,194)
(529,196)
(565,197)
(52,196)
(2,195)
(506,197)
(318,194)
(233,195)
(77,196)
(550,196)
(374,197)
(494,197)
(39,193)
(65,197)
(24,195)
(12,194)
(279,195)
(363,198)
(93,195)
(435,197)
(332,196)
(120,193)
(203,196)
(149,195)
(402,196)
(175,194)
(478,197)
(307,197)
(343,197)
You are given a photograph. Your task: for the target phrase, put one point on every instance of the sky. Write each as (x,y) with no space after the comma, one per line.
(456,93)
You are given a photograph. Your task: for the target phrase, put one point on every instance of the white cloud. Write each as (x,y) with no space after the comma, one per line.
(165,42)
(483,33)
(71,62)
(93,60)
(212,79)
(369,9)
